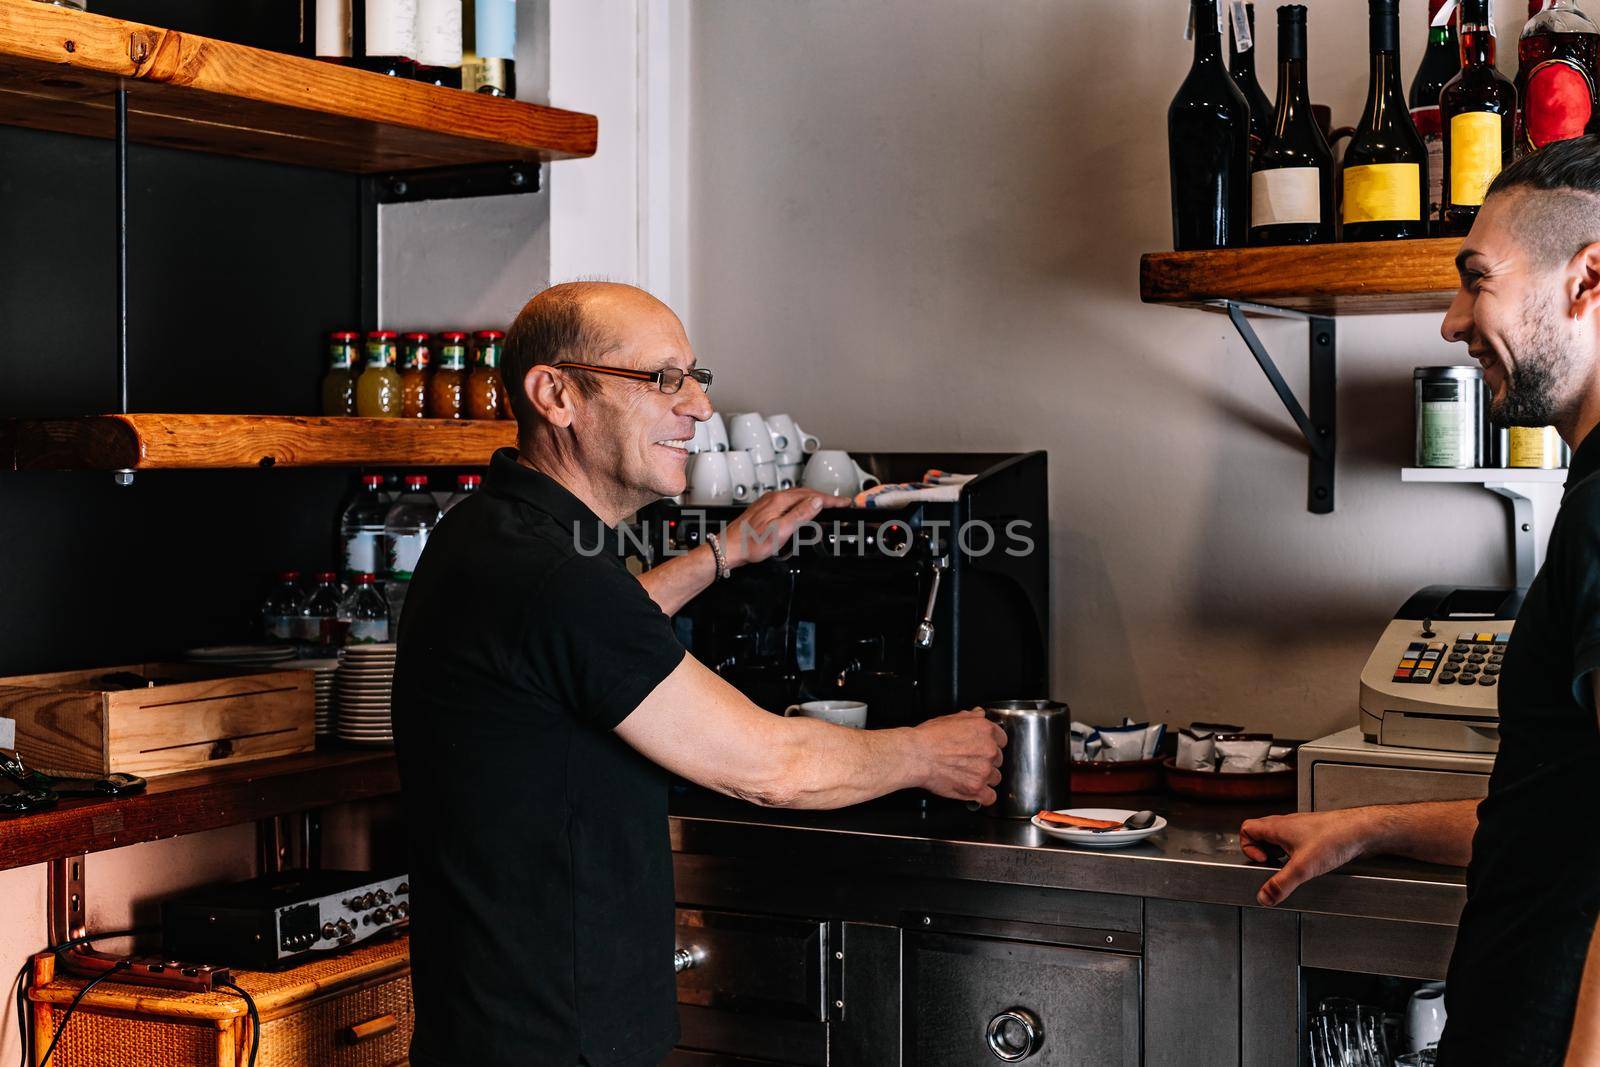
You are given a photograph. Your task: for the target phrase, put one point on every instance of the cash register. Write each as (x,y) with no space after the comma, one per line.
(1429,718)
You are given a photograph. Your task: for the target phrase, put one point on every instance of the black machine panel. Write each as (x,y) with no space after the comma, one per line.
(841,612)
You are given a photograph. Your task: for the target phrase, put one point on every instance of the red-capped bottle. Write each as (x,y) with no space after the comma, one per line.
(486,393)
(339,384)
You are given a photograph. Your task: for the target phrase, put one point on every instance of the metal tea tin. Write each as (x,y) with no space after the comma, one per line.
(1449,411)
(1535,446)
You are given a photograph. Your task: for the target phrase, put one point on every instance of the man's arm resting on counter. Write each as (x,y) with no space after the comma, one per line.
(700,727)
(1321,841)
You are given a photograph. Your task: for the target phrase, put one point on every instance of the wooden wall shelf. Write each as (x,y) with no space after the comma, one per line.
(193,801)
(59,70)
(143,442)
(1370,277)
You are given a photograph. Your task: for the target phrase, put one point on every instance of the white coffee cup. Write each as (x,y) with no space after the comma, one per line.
(741,476)
(749,433)
(717,432)
(786,439)
(808,442)
(701,441)
(789,475)
(835,472)
(767,477)
(1425,1017)
(851,713)
(709,481)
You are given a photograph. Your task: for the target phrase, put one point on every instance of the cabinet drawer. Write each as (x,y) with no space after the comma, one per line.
(753,964)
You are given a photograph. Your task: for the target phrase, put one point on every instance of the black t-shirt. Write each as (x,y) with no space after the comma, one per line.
(1533,887)
(541,871)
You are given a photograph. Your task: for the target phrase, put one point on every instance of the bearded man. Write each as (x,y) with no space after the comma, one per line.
(1524,981)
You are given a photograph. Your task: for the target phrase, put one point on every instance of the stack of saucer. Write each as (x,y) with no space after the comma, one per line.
(325,670)
(366,679)
(262,656)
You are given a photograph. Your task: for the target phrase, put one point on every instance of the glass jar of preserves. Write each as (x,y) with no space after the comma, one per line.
(339,384)
(446,395)
(378,388)
(485,392)
(415,363)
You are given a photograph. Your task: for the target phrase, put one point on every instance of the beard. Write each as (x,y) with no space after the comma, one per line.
(1545,364)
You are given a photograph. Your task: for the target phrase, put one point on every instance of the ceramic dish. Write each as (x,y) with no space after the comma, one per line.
(1073,835)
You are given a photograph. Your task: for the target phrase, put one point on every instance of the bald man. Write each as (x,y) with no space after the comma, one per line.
(541,701)
(1524,982)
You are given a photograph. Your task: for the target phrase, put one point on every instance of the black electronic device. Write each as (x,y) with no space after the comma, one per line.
(916,611)
(278,919)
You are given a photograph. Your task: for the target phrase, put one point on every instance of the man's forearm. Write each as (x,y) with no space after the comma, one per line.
(677,581)
(828,766)
(1583,1049)
(1436,832)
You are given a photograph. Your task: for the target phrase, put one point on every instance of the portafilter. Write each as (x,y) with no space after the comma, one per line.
(1035,773)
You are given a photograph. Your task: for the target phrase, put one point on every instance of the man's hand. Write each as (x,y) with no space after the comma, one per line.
(961,753)
(1317,842)
(766,526)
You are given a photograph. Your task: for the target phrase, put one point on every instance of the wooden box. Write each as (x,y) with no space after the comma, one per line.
(68,725)
(350,1010)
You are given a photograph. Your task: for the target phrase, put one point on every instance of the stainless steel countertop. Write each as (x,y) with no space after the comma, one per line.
(1195,858)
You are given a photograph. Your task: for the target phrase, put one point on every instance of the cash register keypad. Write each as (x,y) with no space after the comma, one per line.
(1473,659)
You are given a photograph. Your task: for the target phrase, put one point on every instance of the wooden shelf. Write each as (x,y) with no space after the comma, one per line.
(143,442)
(60,68)
(193,801)
(1485,475)
(1370,277)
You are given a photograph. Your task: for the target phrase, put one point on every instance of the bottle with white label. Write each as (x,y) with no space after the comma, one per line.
(466,485)
(1385,168)
(410,522)
(1291,183)
(1478,108)
(439,42)
(319,614)
(385,36)
(361,529)
(364,613)
(280,615)
(494,45)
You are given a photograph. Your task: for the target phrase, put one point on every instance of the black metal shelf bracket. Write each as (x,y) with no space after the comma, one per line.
(1319,428)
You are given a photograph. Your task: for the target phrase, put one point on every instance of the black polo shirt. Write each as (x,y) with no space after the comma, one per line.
(1533,887)
(541,872)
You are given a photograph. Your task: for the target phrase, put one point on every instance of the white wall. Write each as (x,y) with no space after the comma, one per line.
(915,224)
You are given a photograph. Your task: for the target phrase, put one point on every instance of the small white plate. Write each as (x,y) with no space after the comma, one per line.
(1105,839)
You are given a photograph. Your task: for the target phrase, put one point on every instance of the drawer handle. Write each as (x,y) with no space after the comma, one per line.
(685,958)
(370,1029)
(1014,1034)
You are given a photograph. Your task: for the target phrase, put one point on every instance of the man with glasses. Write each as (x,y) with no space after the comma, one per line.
(542,700)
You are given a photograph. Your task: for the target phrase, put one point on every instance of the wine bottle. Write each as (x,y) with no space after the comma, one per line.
(1385,167)
(495,41)
(1440,63)
(1478,108)
(439,42)
(1208,145)
(1243,69)
(1291,182)
(385,36)
(1557,56)
(331,35)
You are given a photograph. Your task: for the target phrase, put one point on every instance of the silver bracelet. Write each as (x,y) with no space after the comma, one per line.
(723,570)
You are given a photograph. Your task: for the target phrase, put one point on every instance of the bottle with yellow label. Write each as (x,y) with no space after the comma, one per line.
(378,388)
(1385,168)
(1478,109)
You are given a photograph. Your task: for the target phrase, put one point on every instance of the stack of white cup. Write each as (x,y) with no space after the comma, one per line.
(735,461)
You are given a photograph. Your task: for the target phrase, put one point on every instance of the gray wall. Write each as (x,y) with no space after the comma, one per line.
(916,224)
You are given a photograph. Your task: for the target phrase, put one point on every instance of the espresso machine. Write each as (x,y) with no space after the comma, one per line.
(917,611)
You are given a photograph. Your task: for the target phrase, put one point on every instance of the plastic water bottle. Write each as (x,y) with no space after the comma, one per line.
(406,530)
(361,529)
(364,613)
(280,615)
(319,614)
(466,485)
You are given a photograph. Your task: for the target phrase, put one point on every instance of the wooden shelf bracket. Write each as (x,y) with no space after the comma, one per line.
(1320,426)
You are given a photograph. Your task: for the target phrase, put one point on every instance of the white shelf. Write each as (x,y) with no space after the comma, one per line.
(1484,475)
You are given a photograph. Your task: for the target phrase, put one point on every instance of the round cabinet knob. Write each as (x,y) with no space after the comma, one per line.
(685,958)
(1014,1034)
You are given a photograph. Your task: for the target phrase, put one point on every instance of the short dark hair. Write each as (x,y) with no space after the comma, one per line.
(551,327)
(1555,227)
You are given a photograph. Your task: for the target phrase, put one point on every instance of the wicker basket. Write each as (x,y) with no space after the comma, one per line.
(352,1010)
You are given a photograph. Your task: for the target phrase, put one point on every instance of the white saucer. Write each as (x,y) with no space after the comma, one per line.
(1105,839)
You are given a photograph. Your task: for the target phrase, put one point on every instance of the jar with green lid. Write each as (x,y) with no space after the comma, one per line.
(339,384)
(378,388)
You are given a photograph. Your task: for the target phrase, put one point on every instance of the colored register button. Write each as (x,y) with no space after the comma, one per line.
(1402,674)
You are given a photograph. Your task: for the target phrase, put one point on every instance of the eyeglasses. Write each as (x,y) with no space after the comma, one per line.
(669,379)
